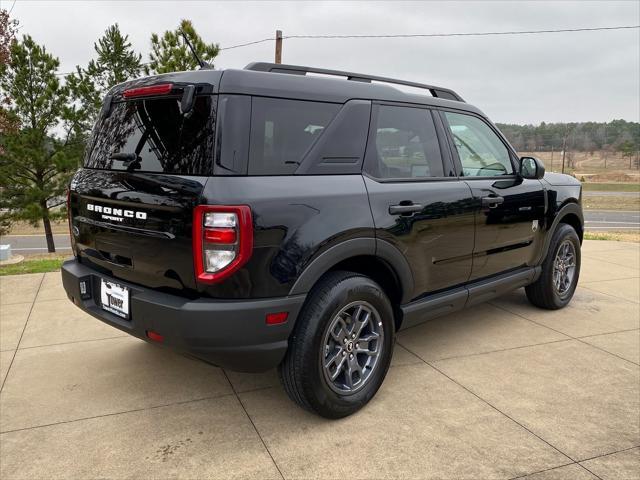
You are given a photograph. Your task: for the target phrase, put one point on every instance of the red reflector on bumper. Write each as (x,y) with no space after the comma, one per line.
(156,337)
(277,318)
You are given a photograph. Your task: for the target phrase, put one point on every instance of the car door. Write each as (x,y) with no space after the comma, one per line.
(509,209)
(419,205)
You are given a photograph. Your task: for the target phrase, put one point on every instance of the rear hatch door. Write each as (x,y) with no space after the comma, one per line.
(148,161)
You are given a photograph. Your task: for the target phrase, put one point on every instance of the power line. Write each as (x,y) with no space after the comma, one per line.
(251,43)
(469,34)
(421,35)
(418,35)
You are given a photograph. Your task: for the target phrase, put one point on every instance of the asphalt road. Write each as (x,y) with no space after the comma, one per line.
(32,244)
(611,220)
(595,220)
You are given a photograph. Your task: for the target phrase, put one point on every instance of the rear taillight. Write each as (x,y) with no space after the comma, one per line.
(71,237)
(148,91)
(222,240)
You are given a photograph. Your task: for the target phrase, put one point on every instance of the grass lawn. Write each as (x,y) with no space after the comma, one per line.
(611,202)
(611,187)
(631,236)
(33,265)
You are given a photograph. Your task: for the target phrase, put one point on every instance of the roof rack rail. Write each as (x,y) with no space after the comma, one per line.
(438,92)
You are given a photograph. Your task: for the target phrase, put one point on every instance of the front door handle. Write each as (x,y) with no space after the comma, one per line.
(402,209)
(492,201)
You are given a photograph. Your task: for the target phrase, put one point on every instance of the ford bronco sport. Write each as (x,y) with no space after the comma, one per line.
(282,216)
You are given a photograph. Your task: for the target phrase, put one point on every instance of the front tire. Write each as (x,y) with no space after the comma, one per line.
(341,346)
(560,271)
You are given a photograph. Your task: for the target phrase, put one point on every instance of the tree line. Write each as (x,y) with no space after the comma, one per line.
(617,136)
(46,118)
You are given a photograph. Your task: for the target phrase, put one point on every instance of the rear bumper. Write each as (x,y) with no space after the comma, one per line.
(231,334)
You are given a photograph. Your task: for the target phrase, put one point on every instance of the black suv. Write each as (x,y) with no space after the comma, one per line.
(284,216)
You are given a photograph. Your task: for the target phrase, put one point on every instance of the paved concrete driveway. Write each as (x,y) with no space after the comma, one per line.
(500,391)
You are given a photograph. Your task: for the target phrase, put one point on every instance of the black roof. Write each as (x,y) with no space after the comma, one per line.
(265,79)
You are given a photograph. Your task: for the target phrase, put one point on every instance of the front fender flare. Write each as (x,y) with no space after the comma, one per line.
(568,208)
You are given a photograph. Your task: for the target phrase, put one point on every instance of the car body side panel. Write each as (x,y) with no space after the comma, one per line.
(436,241)
(509,235)
(295,220)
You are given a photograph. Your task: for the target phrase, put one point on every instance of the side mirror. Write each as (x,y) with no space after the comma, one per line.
(531,167)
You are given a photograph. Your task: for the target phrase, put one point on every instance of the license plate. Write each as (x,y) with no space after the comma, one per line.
(115,298)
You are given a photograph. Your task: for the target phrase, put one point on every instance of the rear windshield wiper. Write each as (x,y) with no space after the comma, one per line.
(130,161)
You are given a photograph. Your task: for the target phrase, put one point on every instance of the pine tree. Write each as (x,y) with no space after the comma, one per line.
(35,165)
(116,62)
(169,53)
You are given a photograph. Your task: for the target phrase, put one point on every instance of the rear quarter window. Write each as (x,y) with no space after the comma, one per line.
(282,131)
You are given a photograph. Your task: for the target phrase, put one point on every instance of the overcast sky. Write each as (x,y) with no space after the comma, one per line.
(516,79)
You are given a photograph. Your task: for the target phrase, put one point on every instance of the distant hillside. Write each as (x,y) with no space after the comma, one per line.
(583,137)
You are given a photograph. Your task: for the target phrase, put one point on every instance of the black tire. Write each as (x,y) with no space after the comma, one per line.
(543,292)
(302,373)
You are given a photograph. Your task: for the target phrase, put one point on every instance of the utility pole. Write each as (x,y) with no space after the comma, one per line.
(565,142)
(564,150)
(604,146)
(551,169)
(278,46)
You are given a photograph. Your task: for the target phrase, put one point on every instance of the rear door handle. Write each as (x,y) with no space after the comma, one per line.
(492,201)
(401,209)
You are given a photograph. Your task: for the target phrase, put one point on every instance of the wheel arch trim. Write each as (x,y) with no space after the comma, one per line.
(399,264)
(355,247)
(571,208)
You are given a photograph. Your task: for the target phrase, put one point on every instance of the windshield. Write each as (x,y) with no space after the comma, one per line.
(153,136)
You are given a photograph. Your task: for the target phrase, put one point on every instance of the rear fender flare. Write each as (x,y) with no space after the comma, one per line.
(353,248)
(330,257)
(399,264)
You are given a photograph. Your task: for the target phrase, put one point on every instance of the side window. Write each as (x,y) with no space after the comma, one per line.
(406,144)
(481,151)
(282,131)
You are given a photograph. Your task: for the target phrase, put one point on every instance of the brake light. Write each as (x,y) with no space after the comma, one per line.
(160,89)
(222,240)
(220,235)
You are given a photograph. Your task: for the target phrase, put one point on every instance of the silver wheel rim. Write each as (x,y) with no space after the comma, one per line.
(564,267)
(352,347)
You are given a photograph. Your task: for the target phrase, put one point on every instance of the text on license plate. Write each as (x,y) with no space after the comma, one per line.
(115,298)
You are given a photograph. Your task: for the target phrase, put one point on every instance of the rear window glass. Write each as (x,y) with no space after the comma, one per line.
(153,136)
(282,131)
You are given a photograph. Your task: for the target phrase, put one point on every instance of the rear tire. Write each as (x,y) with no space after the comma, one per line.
(560,271)
(341,347)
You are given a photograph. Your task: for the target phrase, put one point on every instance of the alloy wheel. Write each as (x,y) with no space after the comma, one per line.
(564,267)
(352,347)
